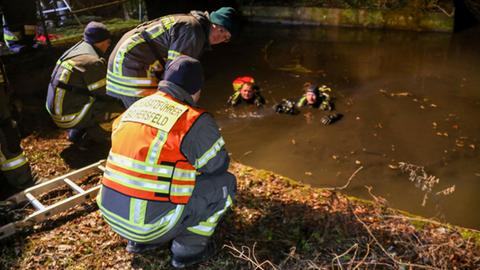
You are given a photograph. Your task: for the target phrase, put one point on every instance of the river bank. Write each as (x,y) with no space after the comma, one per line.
(276,223)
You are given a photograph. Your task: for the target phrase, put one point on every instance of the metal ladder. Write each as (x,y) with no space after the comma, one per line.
(45,211)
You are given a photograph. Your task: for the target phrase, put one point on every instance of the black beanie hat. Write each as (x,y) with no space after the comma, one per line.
(95,32)
(226,17)
(185,72)
(313,88)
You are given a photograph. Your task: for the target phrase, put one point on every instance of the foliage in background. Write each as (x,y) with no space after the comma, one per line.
(361,4)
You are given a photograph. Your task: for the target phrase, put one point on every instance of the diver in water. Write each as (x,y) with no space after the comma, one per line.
(245,91)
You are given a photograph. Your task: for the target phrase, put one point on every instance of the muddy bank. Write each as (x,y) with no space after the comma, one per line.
(276,223)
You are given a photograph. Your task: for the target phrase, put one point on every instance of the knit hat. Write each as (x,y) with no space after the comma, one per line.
(95,32)
(226,17)
(185,72)
(313,89)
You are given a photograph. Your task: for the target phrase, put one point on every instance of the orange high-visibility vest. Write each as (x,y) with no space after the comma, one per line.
(145,160)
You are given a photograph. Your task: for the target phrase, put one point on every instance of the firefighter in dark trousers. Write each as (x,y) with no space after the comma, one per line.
(137,62)
(13,162)
(166,176)
(76,98)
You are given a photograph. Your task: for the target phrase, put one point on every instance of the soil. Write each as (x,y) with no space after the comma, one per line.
(276,223)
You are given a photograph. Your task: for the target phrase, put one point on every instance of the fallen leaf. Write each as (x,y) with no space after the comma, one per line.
(64,247)
(400,94)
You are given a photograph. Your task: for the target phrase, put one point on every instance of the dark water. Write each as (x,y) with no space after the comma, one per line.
(406,97)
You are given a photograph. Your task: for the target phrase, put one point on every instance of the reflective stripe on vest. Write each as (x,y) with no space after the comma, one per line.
(210,153)
(133,41)
(68,120)
(134,228)
(97,84)
(130,86)
(13,163)
(172,55)
(152,168)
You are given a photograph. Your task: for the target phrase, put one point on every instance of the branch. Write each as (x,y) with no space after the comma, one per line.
(444,11)
(385,251)
(346,184)
(249,257)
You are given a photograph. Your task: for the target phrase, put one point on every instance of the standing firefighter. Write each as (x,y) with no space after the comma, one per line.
(13,163)
(138,60)
(76,98)
(166,176)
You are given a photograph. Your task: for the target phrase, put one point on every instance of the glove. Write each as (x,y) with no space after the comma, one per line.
(258,102)
(331,118)
(325,106)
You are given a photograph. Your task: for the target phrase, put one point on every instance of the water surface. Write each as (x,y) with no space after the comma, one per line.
(405,96)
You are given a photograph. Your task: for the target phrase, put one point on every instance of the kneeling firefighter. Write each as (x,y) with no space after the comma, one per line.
(166,176)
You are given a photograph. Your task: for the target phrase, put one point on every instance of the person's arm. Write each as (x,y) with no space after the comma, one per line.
(204,147)
(301,102)
(94,76)
(234,99)
(187,39)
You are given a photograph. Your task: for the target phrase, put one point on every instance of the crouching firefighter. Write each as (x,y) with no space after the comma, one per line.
(166,177)
(76,98)
(14,166)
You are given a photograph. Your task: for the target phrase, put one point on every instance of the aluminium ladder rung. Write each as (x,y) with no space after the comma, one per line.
(43,212)
(74,186)
(36,203)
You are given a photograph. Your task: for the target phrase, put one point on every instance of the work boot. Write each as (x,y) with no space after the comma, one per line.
(183,256)
(79,138)
(26,180)
(138,248)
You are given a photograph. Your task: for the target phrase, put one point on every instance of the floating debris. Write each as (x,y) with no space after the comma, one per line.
(459,143)
(446,191)
(393,167)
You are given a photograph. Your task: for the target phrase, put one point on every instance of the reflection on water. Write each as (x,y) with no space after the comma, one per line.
(406,97)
